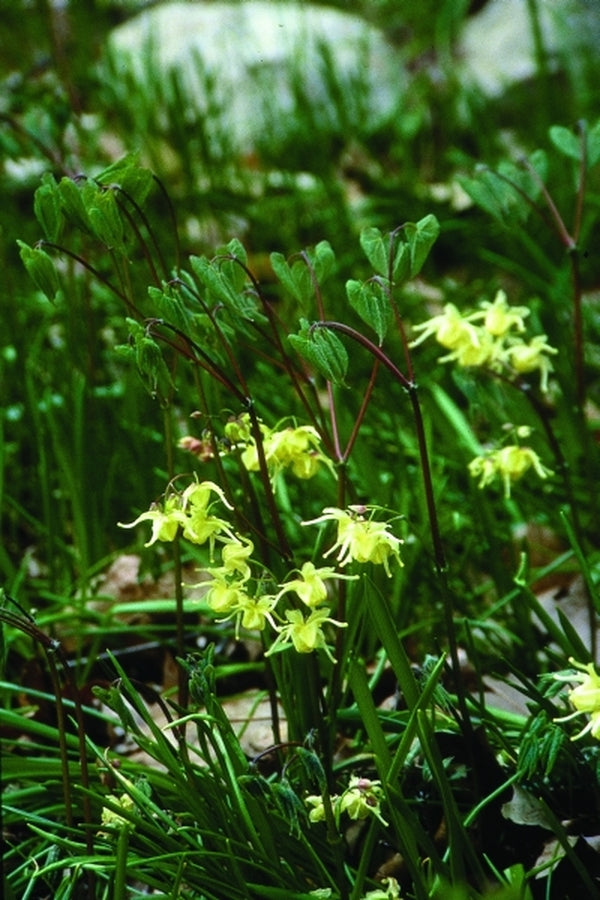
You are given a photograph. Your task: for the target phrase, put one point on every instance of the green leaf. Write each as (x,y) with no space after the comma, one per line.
(149,360)
(372,303)
(569,143)
(106,222)
(73,206)
(495,196)
(296,278)
(593,144)
(421,238)
(323,349)
(402,262)
(375,249)
(323,260)
(127,174)
(40,269)
(229,268)
(47,208)
(223,289)
(524,180)
(565,141)
(170,307)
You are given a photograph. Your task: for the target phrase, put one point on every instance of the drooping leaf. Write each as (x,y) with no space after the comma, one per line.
(127,174)
(223,289)
(495,196)
(73,206)
(323,349)
(40,269)
(372,303)
(229,268)
(106,222)
(169,306)
(148,359)
(48,209)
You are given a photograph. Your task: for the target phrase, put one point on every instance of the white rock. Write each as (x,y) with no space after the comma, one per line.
(497,49)
(252,52)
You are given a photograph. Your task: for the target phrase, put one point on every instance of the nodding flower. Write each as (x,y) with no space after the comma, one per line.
(359,539)
(585,697)
(507,463)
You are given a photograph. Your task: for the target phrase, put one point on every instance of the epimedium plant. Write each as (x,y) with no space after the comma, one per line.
(299,548)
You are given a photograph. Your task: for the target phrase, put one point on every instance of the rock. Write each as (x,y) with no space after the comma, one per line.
(240,65)
(496,47)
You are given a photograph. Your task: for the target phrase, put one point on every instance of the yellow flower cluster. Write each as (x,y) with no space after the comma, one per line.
(111,818)
(189,513)
(495,342)
(362,798)
(230,595)
(296,449)
(585,697)
(360,539)
(389,890)
(235,592)
(508,463)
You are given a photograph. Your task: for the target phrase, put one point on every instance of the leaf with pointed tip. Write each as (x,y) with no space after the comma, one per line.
(323,261)
(105,219)
(375,249)
(231,269)
(224,290)
(169,306)
(372,303)
(323,349)
(421,237)
(569,143)
(295,278)
(48,209)
(72,204)
(40,269)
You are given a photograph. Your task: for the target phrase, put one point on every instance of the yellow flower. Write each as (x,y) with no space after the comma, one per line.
(507,463)
(166,521)
(310,586)
(305,635)
(362,798)
(297,449)
(585,697)
(235,555)
(317,813)
(499,318)
(224,596)
(200,525)
(390,890)
(110,817)
(254,612)
(451,329)
(190,512)
(359,539)
(486,352)
(524,358)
